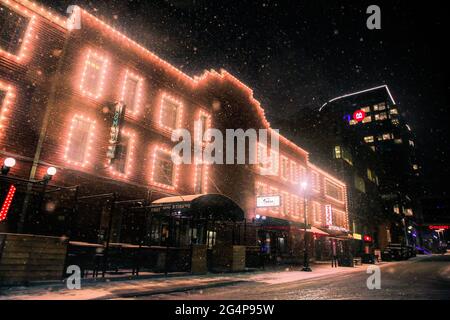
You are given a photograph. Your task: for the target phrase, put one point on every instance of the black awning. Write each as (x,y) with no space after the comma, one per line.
(202,206)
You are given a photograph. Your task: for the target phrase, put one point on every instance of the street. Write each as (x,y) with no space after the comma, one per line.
(424,277)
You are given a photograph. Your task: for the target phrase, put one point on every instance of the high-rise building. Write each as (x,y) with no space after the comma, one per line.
(374,155)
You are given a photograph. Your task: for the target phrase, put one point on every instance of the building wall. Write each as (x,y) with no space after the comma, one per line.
(52,80)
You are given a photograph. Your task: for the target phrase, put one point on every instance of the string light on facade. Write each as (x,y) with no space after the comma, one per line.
(202,169)
(175,174)
(130,76)
(100,66)
(5,107)
(179,116)
(24,51)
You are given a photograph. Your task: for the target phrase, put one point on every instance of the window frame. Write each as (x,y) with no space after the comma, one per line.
(23,52)
(96,93)
(137,97)
(129,157)
(87,148)
(5,104)
(179,112)
(175,169)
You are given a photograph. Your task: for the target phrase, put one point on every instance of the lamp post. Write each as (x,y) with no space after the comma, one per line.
(7,165)
(306,267)
(51,171)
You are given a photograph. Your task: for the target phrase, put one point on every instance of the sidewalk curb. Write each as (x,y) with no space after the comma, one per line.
(135,294)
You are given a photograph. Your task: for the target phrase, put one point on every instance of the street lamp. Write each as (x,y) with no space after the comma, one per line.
(304,186)
(51,171)
(7,165)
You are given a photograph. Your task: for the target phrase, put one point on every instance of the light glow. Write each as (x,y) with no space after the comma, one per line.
(202,170)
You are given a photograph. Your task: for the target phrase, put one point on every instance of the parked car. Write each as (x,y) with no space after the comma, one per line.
(397,252)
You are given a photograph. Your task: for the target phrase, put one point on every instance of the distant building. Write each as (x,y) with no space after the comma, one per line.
(375,157)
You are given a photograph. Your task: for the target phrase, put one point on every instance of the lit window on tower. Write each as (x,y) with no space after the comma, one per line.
(369,139)
(381,116)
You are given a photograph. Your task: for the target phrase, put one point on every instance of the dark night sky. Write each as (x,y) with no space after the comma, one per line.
(299,55)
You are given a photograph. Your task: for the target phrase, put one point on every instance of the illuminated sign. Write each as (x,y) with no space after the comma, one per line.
(438,227)
(367,238)
(328,215)
(336,228)
(357,236)
(359,115)
(271,201)
(115,130)
(7,203)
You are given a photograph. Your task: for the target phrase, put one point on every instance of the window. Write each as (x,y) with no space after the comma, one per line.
(294,172)
(415,167)
(395,122)
(316,213)
(393,111)
(315,181)
(337,152)
(398,141)
(14,32)
(359,184)
(353,122)
(366,109)
(284,168)
(93,77)
(368,139)
(163,173)
(78,147)
(332,190)
(170,113)
(411,143)
(284,203)
(381,116)
(367,119)
(121,164)
(379,107)
(132,92)
(387,136)
(268,160)
(6,96)
(347,156)
(371,176)
(201,170)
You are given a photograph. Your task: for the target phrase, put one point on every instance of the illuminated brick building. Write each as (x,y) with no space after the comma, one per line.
(63,93)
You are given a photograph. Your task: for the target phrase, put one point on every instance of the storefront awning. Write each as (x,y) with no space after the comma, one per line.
(317,231)
(200,206)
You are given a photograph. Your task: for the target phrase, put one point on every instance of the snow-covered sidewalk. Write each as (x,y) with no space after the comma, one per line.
(120,289)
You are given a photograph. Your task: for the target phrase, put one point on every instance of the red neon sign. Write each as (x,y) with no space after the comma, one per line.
(367,238)
(359,115)
(7,203)
(438,227)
